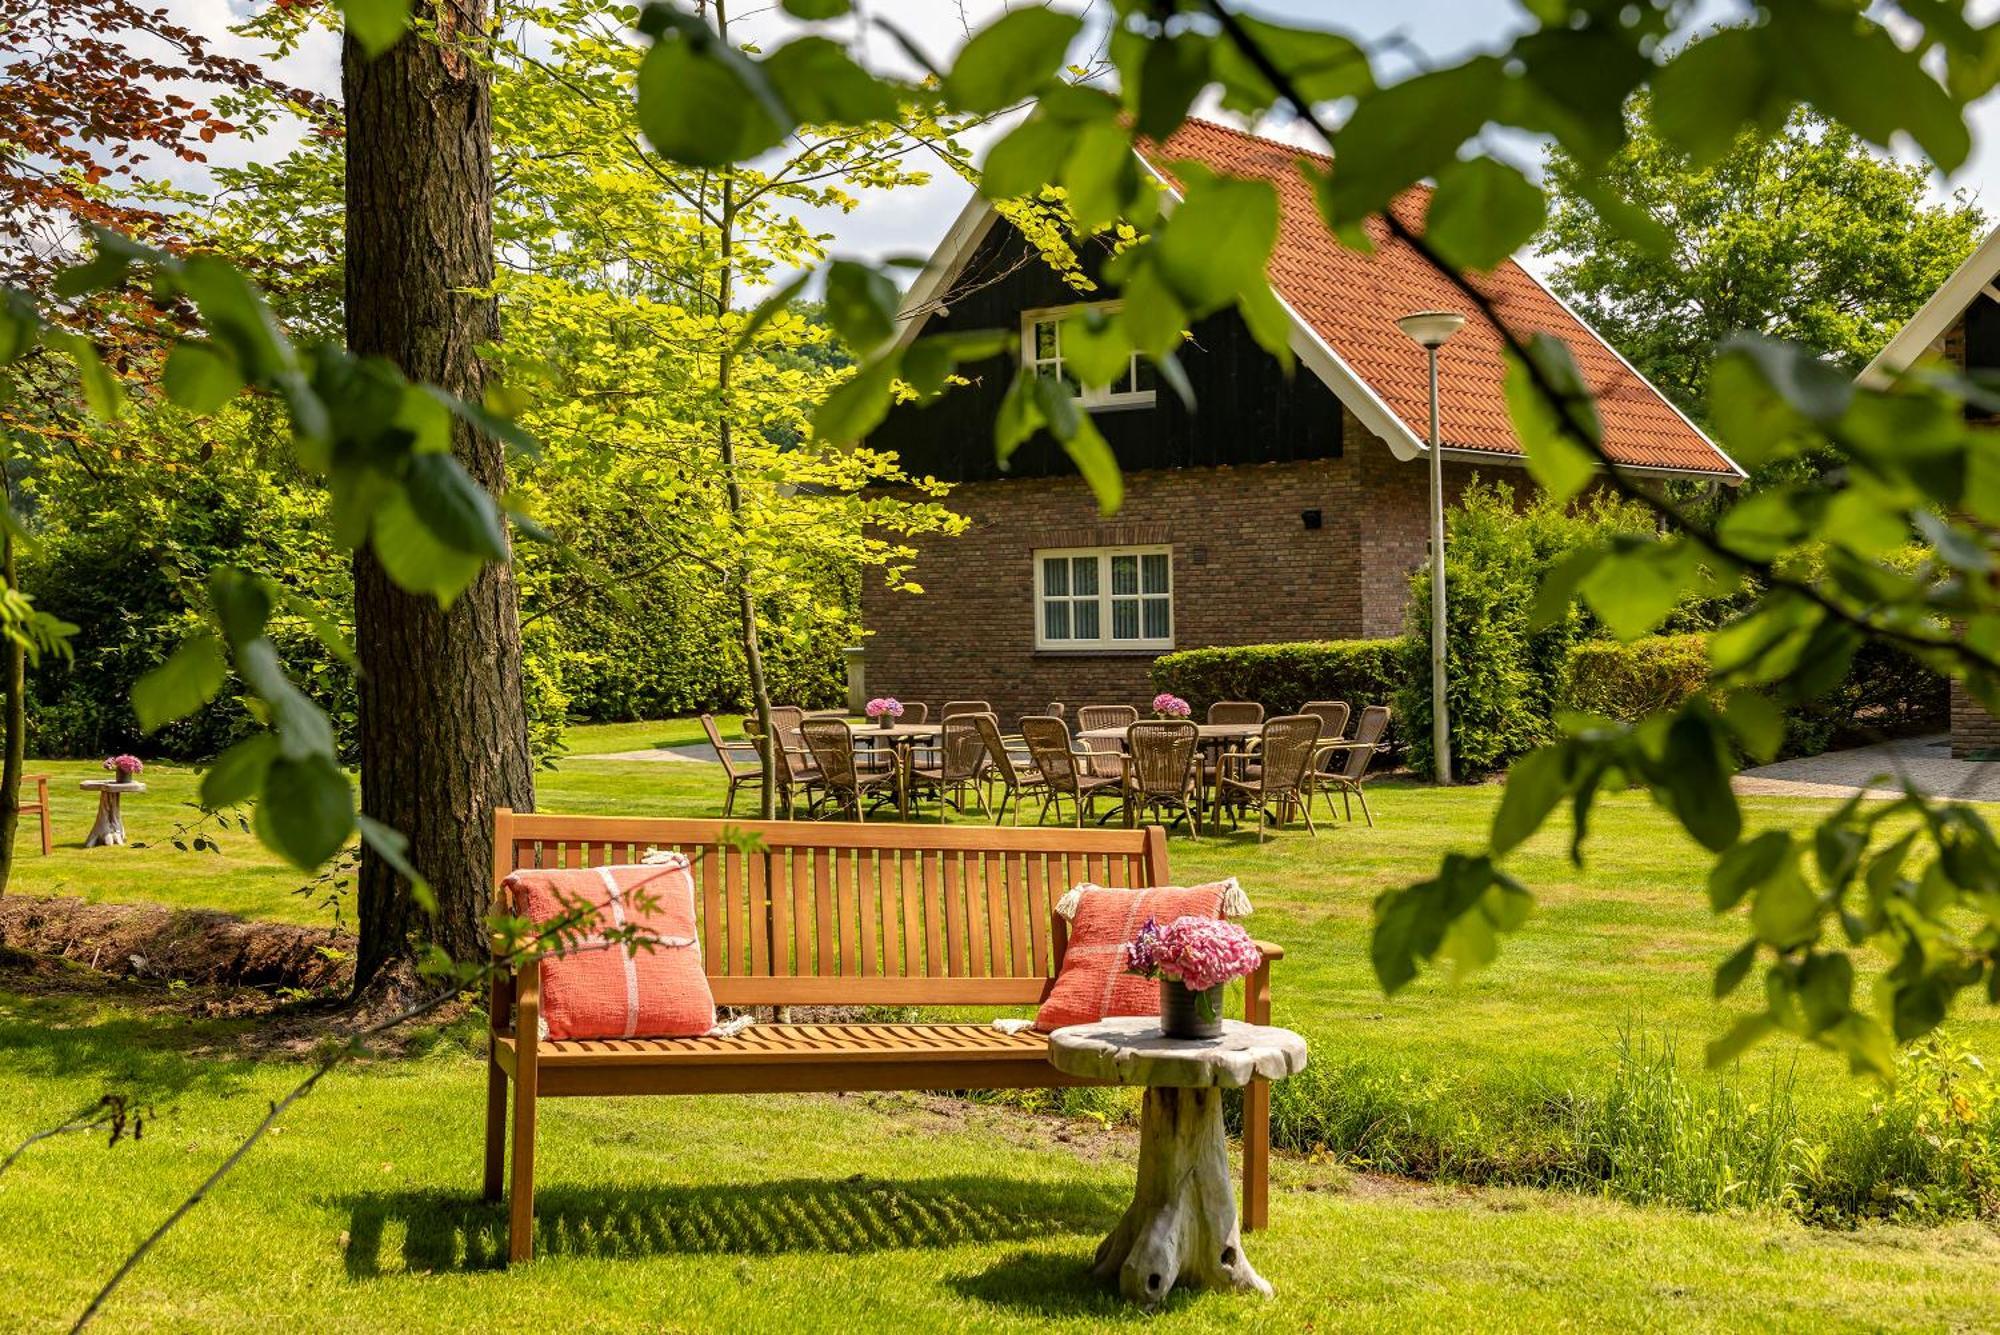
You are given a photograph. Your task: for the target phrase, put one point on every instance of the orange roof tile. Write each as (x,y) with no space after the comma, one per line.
(1352,300)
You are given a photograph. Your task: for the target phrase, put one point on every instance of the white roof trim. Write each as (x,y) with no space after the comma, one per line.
(976,219)
(1935,316)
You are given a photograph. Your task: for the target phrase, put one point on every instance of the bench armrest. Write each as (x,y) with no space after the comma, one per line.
(1270,951)
(1257,987)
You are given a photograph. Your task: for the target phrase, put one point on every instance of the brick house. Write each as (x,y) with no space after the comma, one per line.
(1275,509)
(1959,325)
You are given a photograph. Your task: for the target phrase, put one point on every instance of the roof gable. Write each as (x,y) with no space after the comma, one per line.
(1344,305)
(1936,316)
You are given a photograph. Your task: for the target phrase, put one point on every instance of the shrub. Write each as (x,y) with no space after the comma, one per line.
(1502,676)
(1282,677)
(1629,681)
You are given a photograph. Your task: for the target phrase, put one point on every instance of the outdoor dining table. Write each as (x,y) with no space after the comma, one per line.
(903,737)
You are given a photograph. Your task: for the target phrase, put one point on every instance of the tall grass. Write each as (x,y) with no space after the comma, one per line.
(1928,1149)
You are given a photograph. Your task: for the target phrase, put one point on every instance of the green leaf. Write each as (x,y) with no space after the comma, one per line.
(1026,160)
(814,10)
(376,24)
(1748,864)
(1019,418)
(1714,90)
(1784,913)
(1093,458)
(1481,212)
(1319,65)
(237,774)
(1697,780)
(1826,990)
(102,393)
(861,304)
(189,679)
(1102,175)
(1817,390)
(1555,459)
(1757,722)
(1218,241)
(394,847)
(858,405)
(1851,69)
(1407,131)
(1010,59)
(200,377)
(1742,1036)
(702,103)
(1535,784)
(1153,318)
(1633,591)
(1171,72)
(1729,974)
(20,325)
(1096,349)
(307,810)
(459,512)
(242,603)
(821,85)
(413,555)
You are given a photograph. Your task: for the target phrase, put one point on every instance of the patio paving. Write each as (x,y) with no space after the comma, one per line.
(1880,770)
(698,752)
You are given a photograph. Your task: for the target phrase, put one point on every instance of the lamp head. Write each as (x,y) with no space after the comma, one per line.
(1430,329)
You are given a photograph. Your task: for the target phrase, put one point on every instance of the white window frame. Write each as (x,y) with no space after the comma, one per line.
(1102,396)
(1104,598)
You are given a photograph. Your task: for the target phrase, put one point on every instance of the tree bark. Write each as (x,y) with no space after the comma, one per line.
(14,724)
(443,728)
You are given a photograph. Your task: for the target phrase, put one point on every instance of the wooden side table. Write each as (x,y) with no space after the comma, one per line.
(110,825)
(1181,1226)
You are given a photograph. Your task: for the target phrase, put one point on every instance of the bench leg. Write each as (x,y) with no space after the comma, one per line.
(496,1131)
(521,1190)
(1256,1156)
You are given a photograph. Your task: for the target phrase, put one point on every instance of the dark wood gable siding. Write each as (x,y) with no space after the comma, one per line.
(1246,410)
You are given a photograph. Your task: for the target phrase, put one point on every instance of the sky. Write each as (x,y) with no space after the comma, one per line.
(1407,34)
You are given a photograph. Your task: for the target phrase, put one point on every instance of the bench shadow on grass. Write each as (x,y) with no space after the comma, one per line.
(426,1232)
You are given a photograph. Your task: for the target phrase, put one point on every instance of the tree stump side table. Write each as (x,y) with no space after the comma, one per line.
(110,825)
(1181,1226)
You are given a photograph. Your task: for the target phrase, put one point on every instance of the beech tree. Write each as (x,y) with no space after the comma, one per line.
(1805,235)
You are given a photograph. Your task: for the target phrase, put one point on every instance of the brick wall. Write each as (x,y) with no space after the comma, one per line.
(1246,570)
(1973,730)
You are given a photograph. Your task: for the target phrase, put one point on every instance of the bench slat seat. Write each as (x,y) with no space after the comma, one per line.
(827,914)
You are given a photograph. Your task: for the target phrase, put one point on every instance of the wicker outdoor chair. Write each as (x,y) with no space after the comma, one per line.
(1163,770)
(1279,773)
(915,711)
(959,765)
(850,777)
(728,753)
(1065,771)
(1108,759)
(1236,711)
(795,777)
(1352,773)
(1017,778)
(953,708)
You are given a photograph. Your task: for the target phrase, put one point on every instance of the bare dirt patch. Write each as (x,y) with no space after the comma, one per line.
(201,947)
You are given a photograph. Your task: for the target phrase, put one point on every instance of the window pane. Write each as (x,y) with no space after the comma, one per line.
(1124,618)
(1055,577)
(1055,620)
(1124,574)
(1086,620)
(1083,570)
(1155,570)
(1144,376)
(1046,340)
(1159,622)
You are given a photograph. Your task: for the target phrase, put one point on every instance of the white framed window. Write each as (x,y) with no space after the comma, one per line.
(1104,598)
(1042,354)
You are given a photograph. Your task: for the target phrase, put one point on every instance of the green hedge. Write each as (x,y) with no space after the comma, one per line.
(1885,692)
(1282,677)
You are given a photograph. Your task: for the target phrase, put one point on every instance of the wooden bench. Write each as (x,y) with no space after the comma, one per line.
(830,914)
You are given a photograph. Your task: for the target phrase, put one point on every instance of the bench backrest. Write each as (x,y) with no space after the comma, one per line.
(843,913)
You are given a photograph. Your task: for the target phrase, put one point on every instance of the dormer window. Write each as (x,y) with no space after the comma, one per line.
(1042,353)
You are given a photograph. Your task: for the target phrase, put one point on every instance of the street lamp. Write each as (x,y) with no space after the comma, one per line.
(1430,329)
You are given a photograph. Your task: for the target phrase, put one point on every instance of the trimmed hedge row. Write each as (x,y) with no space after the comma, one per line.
(1282,677)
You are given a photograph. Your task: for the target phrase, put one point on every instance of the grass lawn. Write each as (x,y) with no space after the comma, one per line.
(793,1213)
(363,1212)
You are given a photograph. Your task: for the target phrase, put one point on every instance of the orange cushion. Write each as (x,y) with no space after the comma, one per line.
(1093,984)
(651,987)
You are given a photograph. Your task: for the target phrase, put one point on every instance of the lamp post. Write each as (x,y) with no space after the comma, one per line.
(1430,330)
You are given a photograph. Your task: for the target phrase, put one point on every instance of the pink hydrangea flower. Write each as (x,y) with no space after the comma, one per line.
(884,705)
(1199,952)
(124,764)
(1169,705)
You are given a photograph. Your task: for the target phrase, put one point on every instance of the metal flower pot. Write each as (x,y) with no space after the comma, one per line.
(1186,1013)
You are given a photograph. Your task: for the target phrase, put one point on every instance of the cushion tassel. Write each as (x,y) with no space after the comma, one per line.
(1235,904)
(1070,903)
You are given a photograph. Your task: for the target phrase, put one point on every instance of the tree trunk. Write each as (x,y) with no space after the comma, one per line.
(443,729)
(14,725)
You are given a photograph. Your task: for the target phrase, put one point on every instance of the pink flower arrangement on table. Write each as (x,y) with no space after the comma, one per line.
(124,766)
(1199,953)
(1168,705)
(884,707)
